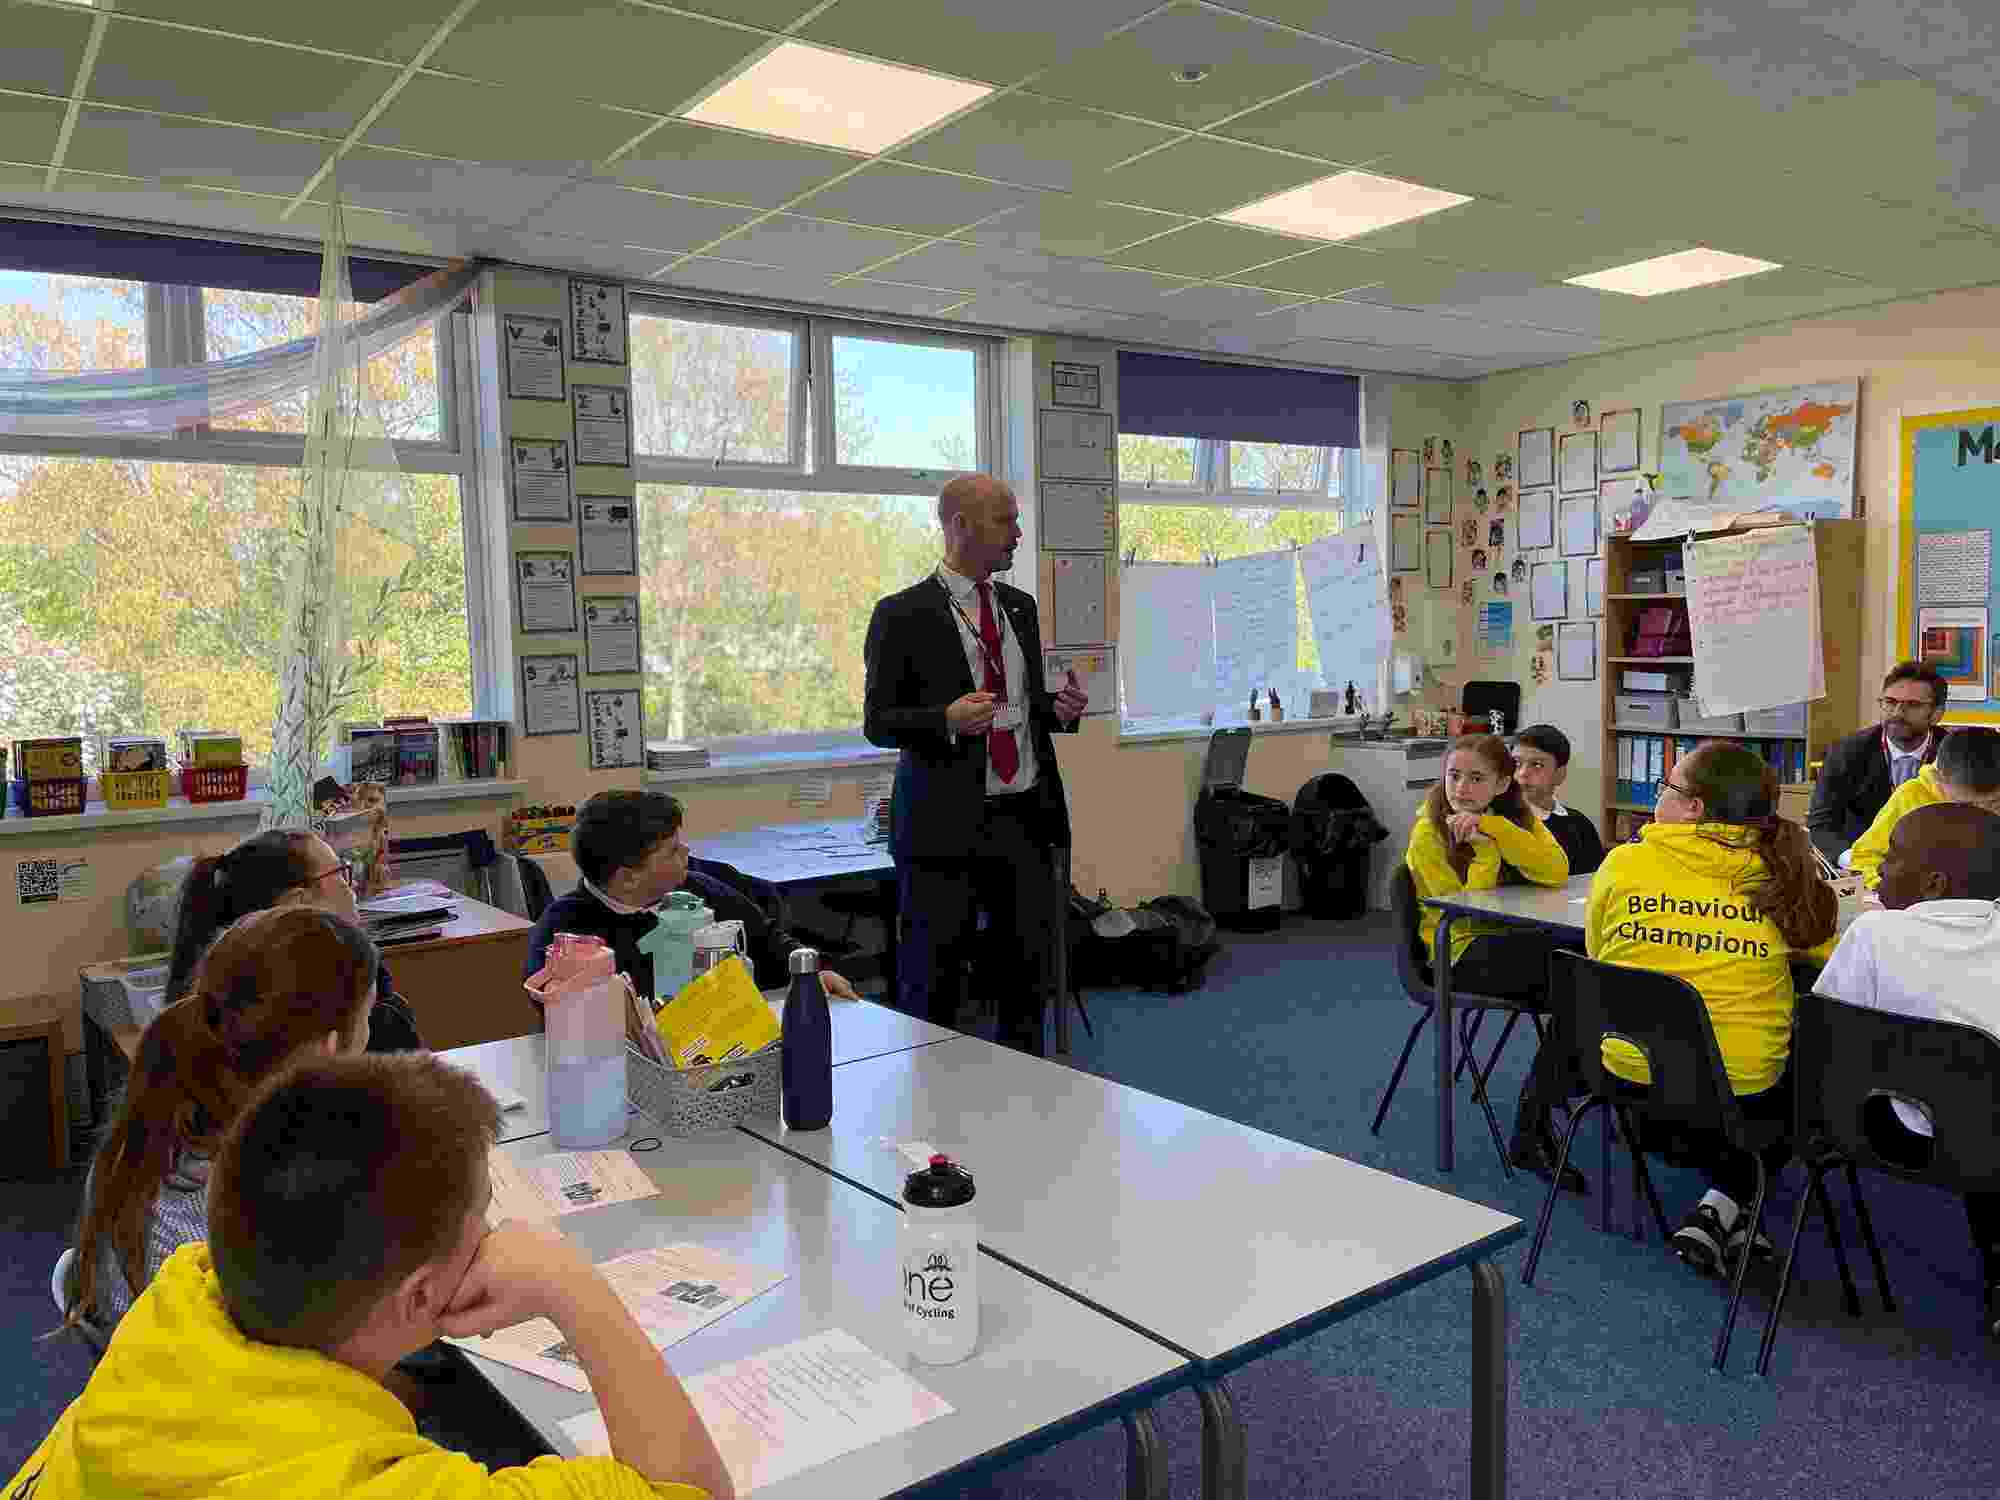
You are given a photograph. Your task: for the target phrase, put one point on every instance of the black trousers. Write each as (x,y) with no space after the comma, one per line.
(1008,876)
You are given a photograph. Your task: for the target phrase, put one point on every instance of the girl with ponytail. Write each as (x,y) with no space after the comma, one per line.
(277,985)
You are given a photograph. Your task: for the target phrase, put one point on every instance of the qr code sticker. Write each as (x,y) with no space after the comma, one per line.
(38,882)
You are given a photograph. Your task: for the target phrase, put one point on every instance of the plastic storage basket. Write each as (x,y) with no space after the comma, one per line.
(47,799)
(129,789)
(705,1099)
(215,783)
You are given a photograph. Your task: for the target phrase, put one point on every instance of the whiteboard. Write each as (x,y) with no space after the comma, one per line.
(1166,638)
(1256,624)
(1753,609)
(1347,597)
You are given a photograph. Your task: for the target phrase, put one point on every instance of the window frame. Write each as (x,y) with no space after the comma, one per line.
(757,474)
(884,479)
(1343,490)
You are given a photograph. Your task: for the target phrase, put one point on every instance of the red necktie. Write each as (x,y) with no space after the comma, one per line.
(1000,746)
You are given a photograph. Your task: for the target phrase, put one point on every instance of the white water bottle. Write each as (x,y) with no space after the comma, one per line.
(939,1263)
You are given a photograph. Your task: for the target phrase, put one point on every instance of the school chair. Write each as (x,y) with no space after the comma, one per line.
(1846,1061)
(1664,1017)
(1413,968)
(93,1337)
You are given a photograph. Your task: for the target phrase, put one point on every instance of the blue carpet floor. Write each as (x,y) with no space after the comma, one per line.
(1611,1391)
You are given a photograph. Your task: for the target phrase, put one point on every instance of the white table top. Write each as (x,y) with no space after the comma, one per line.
(1042,1358)
(795,854)
(1557,906)
(1137,1203)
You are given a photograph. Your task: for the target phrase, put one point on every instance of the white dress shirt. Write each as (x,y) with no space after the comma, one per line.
(1903,764)
(1938,960)
(965,599)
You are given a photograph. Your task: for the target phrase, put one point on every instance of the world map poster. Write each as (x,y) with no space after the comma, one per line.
(1789,451)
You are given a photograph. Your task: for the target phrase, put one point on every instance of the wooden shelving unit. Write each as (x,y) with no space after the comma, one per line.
(1838,547)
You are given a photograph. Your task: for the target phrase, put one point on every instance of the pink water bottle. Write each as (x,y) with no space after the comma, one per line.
(583,1009)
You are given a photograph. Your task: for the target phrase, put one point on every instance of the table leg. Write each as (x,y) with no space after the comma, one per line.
(1489,1382)
(1441,1019)
(1224,1462)
(1145,1458)
(1059,947)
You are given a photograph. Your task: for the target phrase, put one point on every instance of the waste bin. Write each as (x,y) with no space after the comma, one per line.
(1333,830)
(1241,838)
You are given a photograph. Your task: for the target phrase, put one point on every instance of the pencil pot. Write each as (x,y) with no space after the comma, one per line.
(123,790)
(48,799)
(215,783)
(709,1098)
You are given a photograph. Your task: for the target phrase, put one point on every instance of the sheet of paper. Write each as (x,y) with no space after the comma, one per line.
(812,791)
(1576,651)
(1954,567)
(1618,440)
(1593,587)
(1406,544)
(1166,638)
(611,633)
(1537,526)
(1406,479)
(539,476)
(1535,465)
(1074,384)
(1080,614)
(789,1409)
(617,728)
(1256,623)
(1078,445)
(608,534)
(1437,497)
(563,1182)
(1576,459)
(1348,603)
(1096,670)
(596,321)
(545,588)
(671,1293)
(1548,591)
(551,702)
(1753,607)
(1076,516)
(1579,524)
(603,424)
(1437,557)
(1496,626)
(1952,638)
(534,357)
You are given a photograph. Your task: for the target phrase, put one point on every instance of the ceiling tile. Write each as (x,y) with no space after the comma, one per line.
(749,279)
(899,197)
(773,15)
(170,150)
(702,162)
(1063,225)
(1087,284)
(1041,142)
(29,127)
(43,47)
(428,188)
(1956,43)
(393,29)
(1323,272)
(1008,308)
(892,297)
(509,127)
(1501,237)
(972,38)
(814,245)
(247,83)
(1208,249)
(1200,176)
(568,253)
(597,49)
(1431,330)
(1372,110)
(1212,302)
(633,216)
(1357,354)
(1519,299)
(952,263)
(1854,236)
(1249,63)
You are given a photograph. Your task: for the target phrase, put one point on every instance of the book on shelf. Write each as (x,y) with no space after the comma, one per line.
(376,754)
(675,755)
(416,756)
(472,749)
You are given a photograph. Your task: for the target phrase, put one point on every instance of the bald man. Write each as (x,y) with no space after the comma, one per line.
(954,668)
(1934,952)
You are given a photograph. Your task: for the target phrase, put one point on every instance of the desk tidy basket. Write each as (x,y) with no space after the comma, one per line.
(50,798)
(214,783)
(129,789)
(707,1098)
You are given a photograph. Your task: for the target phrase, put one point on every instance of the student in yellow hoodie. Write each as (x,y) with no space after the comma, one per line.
(1475,825)
(1967,770)
(1722,892)
(347,1228)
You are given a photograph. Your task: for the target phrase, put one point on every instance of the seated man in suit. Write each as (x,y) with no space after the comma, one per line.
(1934,951)
(1862,770)
(1541,766)
(629,848)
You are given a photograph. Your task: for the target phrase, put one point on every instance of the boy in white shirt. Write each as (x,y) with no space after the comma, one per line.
(1933,951)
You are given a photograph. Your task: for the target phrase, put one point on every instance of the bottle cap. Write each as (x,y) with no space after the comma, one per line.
(803,961)
(943,1184)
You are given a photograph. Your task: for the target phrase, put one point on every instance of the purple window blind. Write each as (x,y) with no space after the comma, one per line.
(127,255)
(1165,395)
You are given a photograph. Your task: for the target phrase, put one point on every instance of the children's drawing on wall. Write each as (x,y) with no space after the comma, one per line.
(1503,467)
(1479,500)
(1473,473)
(1468,532)
(1519,571)
(1496,533)
(1579,415)
(1500,584)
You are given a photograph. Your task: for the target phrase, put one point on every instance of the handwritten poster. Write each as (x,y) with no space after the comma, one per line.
(1753,606)
(1166,638)
(1347,601)
(1256,622)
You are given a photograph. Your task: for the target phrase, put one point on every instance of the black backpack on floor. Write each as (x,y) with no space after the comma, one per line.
(1165,945)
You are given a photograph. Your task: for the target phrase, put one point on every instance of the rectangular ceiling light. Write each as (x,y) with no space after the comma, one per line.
(1674,273)
(1343,205)
(802,93)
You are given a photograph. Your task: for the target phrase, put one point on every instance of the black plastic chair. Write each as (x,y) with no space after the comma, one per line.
(1665,1018)
(1413,968)
(1848,1059)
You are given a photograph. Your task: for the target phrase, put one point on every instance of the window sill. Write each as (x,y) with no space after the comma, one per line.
(1172,733)
(780,763)
(179,810)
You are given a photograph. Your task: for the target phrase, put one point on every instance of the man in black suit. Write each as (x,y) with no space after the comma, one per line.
(954,668)
(1861,771)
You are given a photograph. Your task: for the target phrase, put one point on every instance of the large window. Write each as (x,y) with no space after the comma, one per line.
(788,470)
(141,579)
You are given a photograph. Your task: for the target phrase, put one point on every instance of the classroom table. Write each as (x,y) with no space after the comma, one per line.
(464,985)
(1114,1195)
(1557,910)
(1045,1367)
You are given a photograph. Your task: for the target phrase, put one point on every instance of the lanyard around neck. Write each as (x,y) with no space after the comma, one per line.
(996,662)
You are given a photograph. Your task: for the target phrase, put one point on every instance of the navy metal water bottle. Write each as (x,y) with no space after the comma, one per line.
(807,1065)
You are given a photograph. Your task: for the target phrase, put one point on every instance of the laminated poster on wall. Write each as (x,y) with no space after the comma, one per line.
(1535,448)
(603,424)
(611,634)
(1537,526)
(1096,670)
(596,321)
(534,357)
(1951,488)
(545,592)
(607,535)
(1406,479)
(538,475)
(551,702)
(616,724)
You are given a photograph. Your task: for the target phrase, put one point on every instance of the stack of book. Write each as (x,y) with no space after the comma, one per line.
(675,755)
(878,823)
(210,749)
(399,751)
(405,918)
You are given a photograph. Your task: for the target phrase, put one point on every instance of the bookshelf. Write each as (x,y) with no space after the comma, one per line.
(1838,547)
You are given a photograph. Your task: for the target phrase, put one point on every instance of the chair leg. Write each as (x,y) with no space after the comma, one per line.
(1469,1022)
(1849,1297)
(1642,1176)
(1409,1046)
(1769,1341)
(1868,1238)
(1493,1057)
(1742,1268)
(1604,1223)
(1088,1029)
(1486,1108)
(1576,1114)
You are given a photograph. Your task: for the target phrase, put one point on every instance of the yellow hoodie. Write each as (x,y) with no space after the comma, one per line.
(1535,853)
(1920,790)
(1676,902)
(183,1405)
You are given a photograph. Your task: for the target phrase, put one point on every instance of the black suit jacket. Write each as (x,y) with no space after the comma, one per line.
(916,669)
(1853,785)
